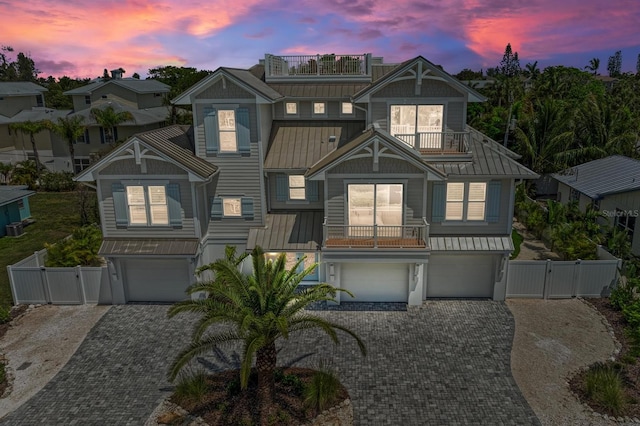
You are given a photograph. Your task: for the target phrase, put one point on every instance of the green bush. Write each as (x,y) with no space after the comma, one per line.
(25,173)
(623,293)
(5,315)
(192,387)
(323,389)
(631,312)
(81,249)
(604,386)
(57,182)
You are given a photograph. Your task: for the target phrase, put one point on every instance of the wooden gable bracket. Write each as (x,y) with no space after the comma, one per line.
(419,79)
(376,163)
(224,83)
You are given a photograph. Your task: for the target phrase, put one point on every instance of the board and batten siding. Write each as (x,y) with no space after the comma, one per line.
(470,228)
(407,89)
(129,167)
(187,230)
(226,90)
(385,165)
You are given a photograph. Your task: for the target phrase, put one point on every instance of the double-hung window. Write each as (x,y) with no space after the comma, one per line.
(297,187)
(466,201)
(147,205)
(226,130)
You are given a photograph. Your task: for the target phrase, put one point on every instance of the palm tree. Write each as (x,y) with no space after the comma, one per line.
(262,307)
(5,171)
(532,70)
(70,128)
(108,118)
(542,134)
(31,128)
(593,66)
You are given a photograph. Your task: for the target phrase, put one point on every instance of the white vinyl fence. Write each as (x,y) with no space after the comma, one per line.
(561,279)
(33,283)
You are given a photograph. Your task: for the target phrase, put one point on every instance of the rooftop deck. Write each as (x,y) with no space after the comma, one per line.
(318,67)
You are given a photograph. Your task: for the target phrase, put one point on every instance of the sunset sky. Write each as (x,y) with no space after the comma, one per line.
(80,38)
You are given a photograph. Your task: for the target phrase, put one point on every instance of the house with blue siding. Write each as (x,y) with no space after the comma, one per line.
(14,206)
(367,168)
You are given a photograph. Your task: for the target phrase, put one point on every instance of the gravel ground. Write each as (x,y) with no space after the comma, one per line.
(554,339)
(39,343)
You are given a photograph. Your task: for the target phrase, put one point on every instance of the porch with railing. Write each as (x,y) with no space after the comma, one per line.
(430,142)
(376,236)
(318,65)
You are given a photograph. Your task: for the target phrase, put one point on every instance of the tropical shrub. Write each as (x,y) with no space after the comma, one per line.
(5,314)
(25,173)
(618,243)
(57,182)
(322,391)
(191,387)
(631,312)
(80,249)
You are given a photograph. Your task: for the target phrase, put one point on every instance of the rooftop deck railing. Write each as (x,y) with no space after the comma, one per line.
(446,142)
(318,65)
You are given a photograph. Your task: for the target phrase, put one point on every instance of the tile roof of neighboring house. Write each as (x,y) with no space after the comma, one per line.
(148,247)
(38,114)
(487,160)
(607,175)
(254,82)
(318,90)
(301,144)
(20,88)
(343,151)
(141,117)
(11,193)
(133,84)
(299,231)
(171,141)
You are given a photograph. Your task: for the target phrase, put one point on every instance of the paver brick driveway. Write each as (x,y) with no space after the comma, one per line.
(446,362)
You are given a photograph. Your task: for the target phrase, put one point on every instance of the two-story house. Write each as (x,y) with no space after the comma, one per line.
(143,99)
(20,102)
(367,168)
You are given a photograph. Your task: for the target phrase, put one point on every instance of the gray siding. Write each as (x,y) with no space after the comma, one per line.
(385,165)
(95,145)
(11,105)
(109,221)
(456,119)
(229,90)
(305,108)
(274,204)
(335,201)
(380,114)
(629,201)
(150,100)
(470,229)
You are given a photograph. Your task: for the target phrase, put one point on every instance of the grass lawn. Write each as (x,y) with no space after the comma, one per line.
(56,214)
(517,240)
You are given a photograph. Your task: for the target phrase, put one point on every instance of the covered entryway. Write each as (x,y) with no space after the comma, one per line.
(461,275)
(156,280)
(375,282)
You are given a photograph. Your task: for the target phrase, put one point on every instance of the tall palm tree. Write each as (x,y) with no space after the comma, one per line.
(593,65)
(70,128)
(532,70)
(262,307)
(109,118)
(542,134)
(31,128)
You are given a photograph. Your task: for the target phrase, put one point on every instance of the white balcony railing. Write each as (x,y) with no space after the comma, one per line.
(318,65)
(447,142)
(376,236)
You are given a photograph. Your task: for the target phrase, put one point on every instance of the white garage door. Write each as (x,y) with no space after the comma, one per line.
(375,282)
(153,280)
(461,275)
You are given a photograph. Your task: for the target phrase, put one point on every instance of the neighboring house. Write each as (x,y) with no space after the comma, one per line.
(14,208)
(612,186)
(143,99)
(21,102)
(367,168)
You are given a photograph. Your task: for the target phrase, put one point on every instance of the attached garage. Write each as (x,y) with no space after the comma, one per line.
(461,275)
(156,280)
(375,282)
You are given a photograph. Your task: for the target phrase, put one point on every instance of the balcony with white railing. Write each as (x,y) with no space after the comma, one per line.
(429,142)
(376,236)
(318,67)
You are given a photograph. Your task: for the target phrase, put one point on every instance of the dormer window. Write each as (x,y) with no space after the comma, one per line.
(420,126)
(319,108)
(291,108)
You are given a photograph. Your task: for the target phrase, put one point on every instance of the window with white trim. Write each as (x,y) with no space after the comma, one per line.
(147,205)
(346,108)
(297,187)
(626,221)
(291,108)
(231,207)
(466,201)
(227,130)
(319,108)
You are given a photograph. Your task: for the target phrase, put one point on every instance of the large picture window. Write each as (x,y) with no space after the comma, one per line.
(375,204)
(417,123)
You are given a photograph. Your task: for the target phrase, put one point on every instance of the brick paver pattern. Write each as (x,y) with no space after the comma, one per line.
(446,362)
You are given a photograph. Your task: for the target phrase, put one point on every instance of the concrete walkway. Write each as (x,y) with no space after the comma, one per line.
(447,362)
